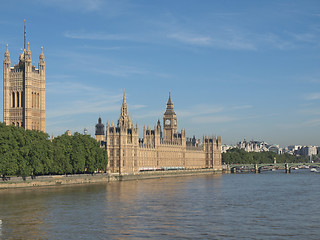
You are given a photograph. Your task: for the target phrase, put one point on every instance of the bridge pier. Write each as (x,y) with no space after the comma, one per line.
(256,169)
(286,166)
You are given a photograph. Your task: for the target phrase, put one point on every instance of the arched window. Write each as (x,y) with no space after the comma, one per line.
(22,100)
(18,124)
(18,100)
(38,100)
(13,124)
(13,100)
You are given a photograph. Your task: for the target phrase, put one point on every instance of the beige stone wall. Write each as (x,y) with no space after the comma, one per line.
(170,156)
(137,158)
(195,159)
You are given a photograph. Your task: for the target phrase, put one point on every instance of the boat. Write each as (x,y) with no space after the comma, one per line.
(313,170)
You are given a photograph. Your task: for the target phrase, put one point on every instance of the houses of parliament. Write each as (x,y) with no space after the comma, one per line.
(161,148)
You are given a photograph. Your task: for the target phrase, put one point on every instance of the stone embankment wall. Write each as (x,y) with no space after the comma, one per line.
(56,180)
(18,182)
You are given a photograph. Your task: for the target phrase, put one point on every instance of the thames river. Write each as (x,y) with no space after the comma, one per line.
(270,205)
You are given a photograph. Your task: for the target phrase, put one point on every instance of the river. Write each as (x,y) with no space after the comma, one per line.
(270,205)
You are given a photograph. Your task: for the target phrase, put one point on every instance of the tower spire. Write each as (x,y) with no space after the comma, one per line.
(169,100)
(124,97)
(124,119)
(25,35)
(169,103)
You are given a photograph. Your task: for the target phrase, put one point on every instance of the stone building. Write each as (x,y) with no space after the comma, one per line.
(24,91)
(157,150)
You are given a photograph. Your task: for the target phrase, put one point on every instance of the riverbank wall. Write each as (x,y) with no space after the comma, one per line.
(57,180)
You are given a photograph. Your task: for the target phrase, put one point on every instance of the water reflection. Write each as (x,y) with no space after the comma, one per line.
(234,206)
(23,214)
(159,207)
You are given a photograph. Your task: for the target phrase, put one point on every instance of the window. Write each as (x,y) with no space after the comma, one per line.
(22,99)
(18,100)
(13,100)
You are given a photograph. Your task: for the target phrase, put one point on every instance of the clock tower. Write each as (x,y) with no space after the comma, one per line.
(169,121)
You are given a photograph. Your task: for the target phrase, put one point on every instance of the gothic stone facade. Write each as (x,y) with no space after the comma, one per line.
(157,150)
(24,91)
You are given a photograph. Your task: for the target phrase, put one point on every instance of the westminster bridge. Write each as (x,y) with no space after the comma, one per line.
(261,167)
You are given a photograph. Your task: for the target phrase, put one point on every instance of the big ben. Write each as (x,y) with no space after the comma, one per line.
(169,121)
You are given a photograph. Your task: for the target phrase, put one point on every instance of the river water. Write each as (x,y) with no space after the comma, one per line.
(270,205)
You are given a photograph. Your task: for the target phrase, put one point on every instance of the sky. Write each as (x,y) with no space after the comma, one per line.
(236,69)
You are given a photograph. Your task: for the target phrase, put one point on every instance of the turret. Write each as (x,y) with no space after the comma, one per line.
(7,102)
(124,119)
(6,61)
(42,64)
(99,130)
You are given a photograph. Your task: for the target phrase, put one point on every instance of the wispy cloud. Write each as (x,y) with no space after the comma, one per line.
(213,119)
(84,107)
(116,48)
(149,114)
(200,109)
(233,41)
(312,123)
(121,71)
(312,96)
(74,5)
(92,100)
(241,107)
(137,106)
(276,41)
(95,36)
(191,39)
(70,87)
(310,111)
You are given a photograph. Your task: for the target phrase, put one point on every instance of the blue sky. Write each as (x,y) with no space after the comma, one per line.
(239,69)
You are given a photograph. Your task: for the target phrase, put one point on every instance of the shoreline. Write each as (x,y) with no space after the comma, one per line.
(58,180)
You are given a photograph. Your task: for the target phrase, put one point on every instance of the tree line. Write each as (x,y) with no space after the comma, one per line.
(31,153)
(240,156)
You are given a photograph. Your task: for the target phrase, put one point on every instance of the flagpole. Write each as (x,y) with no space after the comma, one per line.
(25,34)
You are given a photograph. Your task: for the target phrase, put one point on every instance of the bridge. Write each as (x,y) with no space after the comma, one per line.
(258,168)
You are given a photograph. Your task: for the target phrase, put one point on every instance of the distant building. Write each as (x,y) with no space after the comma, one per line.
(159,149)
(308,151)
(294,149)
(225,148)
(253,146)
(276,149)
(68,132)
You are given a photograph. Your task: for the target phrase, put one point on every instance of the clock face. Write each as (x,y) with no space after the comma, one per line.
(168,122)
